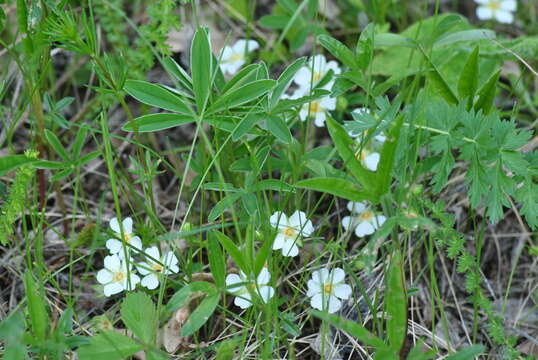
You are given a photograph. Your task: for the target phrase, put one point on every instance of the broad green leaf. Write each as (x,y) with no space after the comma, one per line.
(183,296)
(12,336)
(468,353)
(274,21)
(391,40)
(156,95)
(79,142)
(245,125)
(246,75)
(109,346)
(388,154)
(53,140)
(278,128)
(157,122)
(272,184)
(250,203)
(88,157)
(468,81)
(174,69)
(344,146)
(284,81)
(354,329)
(201,67)
(200,315)
(486,95)
(12,162)
(46,164)
(232,250)
(396,304)
(139,315)
(339,51)
(465,35)
(226,349)
(242,95)
(222,205)
(37,307)
(216,260)
(386,354)
(441,86)
(335,186)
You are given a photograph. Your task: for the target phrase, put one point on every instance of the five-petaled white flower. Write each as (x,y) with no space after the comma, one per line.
(317,109)
(117,276)
(114,245)
(362,219)
(233,57)
(500,10)
(239,286)
(290,230)
(310,75)
(155,266)
(368,158)
(325,289)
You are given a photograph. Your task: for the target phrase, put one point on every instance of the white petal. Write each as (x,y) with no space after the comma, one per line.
(317,302)
(482,2)
(334,305)
(314,288)
(174,269)
(504,17)
(328,103)
(342,291)
(297,219)
(133,281)
(332,65)
(364,228)
(115,225)
(233,279)
(321,276)
(509,5)
(372,161)
(241,46)
(280,241)
(136,242)
(243,301)
(114,246)
(144,268)
(278,219)
(379,220)
(153,253)
(356,207)
(308,228)
(226,54)
(233,68)
(348,222)
(266,293)
(337,275)
(112,263)
(113,288)
(484,13)
(303,78)
(170,261)
(319,120)
(318,63)
(127,226)
(290,249)
(263,277)
(104,276)
(150,281)
(303,114)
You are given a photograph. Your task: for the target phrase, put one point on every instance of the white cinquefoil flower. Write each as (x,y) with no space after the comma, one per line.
(114,245)
(233,57)
(239,286)
(362,219)
(155,266)
(117,276)
(500,10)
(317,109)
(317,67)
(290,231)
(325,289)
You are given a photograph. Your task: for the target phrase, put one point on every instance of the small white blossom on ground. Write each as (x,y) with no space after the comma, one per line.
(370,159)
(152,269)
(233,57)
(317,109)
(325,289)
(290,230)
(362,219)
(114,245)
(317,67)
(238,285)
(117,276)
(500,10)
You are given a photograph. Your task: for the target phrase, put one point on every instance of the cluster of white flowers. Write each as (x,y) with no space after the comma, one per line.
(119,274)
(500,10)
(363,220)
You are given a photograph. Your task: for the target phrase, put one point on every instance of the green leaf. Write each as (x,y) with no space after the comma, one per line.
(232,250)
(245,125)
(12,335)
(388,155)
(468,81)
(392,40)
(396,304)
(272,184)
(109,346)
(274,21)
(156,95)
(182,297)
(344,146)
(284,81)
(216,260)
(12,162)
(157,122)
(226,349)
(79,142)
(468,353)
(37,307)
(53,140)
(335,186)
(201,67)
(139,315)
(354,329)
(486,95)
(242,95)
(339,51)
(174,69)
(200,316)
(278,128)
(465,35)
(222,205)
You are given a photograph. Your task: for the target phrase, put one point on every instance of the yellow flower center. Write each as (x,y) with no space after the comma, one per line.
(314,107)
(316,77)
(119,276)
(289,232)
(328,288)
(236,57)
(366,215)
(157,267)
(494,5)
